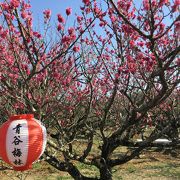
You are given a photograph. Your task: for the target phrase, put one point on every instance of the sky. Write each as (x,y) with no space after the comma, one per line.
(59,6)
(56,6)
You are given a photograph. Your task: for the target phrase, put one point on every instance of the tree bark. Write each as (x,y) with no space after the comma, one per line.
(105,173)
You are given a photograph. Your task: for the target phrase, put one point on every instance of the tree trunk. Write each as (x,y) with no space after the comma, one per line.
(75,173)
(105,172)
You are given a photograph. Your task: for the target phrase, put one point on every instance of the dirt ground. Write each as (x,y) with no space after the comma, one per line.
(149,166)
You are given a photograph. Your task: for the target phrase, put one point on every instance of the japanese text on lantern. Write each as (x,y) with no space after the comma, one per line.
(17,153)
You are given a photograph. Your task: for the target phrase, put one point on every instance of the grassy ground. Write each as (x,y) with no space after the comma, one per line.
(149,166)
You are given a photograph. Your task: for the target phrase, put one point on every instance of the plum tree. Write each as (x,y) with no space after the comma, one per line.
(101,81)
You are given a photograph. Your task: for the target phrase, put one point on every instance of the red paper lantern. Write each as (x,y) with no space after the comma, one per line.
(22,141)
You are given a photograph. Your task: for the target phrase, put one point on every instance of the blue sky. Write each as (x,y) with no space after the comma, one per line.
(59,6)
(56,6)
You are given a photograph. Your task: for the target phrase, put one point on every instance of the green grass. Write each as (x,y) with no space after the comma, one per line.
(166,170)
(37,165)
(131,169)
(63,178)
(151,165)
(88,170)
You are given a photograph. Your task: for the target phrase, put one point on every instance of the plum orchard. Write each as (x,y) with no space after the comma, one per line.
(107,78)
